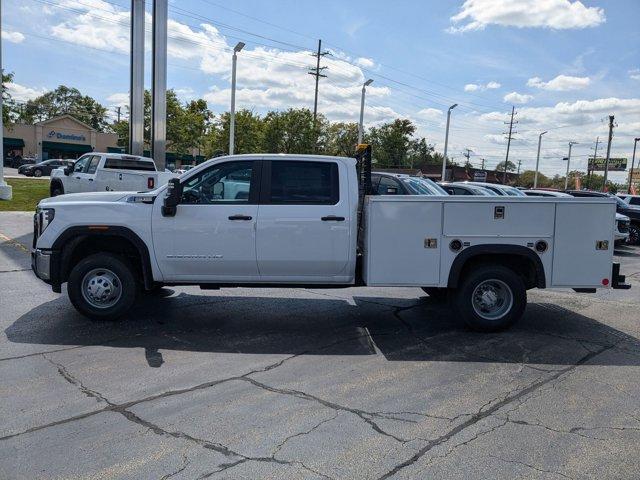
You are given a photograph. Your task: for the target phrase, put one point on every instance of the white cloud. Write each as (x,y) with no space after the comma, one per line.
(634,74)
(118,99)
(555,14)
(474,87)
(12,37)
(432,114)
(22,93)
(365,62)
(519,98)
(561,83)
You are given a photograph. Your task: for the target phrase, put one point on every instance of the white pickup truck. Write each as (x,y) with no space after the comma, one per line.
(103,172)
(306,221)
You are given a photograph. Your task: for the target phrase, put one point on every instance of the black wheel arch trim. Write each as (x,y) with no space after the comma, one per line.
(495,249)
(64,245)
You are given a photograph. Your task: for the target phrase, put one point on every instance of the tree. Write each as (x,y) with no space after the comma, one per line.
(421,153)
(7,101)
(342,138)
(511,167)
(391,141)
(66,100)
(249,132)
(527,177)
(293,131)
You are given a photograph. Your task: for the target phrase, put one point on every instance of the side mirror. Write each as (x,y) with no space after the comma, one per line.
(172,198)
(68,170)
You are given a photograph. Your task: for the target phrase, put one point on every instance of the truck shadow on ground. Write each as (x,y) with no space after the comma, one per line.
(400,329)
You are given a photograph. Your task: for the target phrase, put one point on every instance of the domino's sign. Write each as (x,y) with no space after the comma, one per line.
(66,136)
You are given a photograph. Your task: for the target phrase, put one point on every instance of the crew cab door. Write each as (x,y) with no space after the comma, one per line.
(304,221)
(76,181)
(212,237)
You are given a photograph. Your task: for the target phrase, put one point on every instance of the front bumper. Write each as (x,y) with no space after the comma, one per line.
(41,264)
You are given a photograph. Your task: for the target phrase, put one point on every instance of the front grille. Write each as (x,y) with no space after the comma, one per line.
(623,226)
(36,229)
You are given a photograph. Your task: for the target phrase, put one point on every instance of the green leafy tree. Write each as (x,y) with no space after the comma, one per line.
(511,167)
(391,142)
(527,178)
(66,100)
(293,131)
(342,138)
(249,133)
(8,107)
(421,154)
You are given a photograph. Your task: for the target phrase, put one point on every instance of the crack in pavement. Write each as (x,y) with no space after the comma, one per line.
(482,414)
(533,467)
(301,434)
(185,464)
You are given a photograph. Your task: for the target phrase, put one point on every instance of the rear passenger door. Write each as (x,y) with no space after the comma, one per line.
(303,229)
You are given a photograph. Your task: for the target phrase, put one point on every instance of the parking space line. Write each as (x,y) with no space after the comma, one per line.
(14,243)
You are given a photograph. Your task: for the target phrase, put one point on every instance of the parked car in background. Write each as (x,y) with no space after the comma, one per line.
(99,172)
(633,200)
(385,183)
(622,208)
(44,168)
(544,193)
(18,161)
(504,190)
(454,188)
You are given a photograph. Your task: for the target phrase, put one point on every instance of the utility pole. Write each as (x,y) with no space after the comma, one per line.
(118,112)
(535,178)
(566,177)
(316,72)
(468,155)
(5,190)
(633,163)
(606,162)
(519,163)
(446,141)
(482,164)
(511,133)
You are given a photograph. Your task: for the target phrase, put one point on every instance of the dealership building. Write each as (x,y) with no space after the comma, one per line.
(59,137)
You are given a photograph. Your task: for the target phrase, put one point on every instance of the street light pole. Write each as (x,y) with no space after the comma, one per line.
(566,178)
(232,120)
(361,124)
(633,162)
(5,190)
(535,178)
(446,141)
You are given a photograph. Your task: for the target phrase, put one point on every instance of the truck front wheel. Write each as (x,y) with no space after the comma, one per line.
(102,286)
(491,298)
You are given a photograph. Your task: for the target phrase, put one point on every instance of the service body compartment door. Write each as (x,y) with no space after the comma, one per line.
(403,241)
(579,257)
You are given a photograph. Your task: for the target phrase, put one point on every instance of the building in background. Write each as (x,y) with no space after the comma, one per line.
(59,137)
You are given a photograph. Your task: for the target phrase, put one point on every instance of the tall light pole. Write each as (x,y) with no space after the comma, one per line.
(361,124)
(566,178)
(5,190)
(159,84)
(535,178)
(232,120)
(633,162)
(446,141)
(136,89)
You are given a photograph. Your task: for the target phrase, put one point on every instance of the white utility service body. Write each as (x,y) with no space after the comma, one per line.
(100,172)
(292,220)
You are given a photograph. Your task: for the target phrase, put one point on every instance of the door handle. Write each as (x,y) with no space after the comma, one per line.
(332,218)
(91,179)
(77,178)
(240,217)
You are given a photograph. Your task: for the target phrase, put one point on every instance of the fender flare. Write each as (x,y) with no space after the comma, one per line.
(66,242)
(55,181)
(495,249)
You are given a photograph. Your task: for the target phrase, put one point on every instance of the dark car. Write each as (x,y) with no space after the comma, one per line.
(621,207)
(384,183)
(43,168)
(466,189)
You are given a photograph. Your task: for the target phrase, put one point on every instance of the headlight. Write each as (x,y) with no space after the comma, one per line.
(44,216)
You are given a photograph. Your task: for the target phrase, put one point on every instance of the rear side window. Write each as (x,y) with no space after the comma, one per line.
(304,183)
(635,201)
(129,164)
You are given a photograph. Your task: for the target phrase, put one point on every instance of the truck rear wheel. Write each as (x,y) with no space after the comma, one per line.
(102,286)
(491,298)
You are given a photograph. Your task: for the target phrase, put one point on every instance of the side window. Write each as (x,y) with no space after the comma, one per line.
(389,186)
(81,164)
(375,181)
(304,183)
(461,191)
(93,164)
(228,182)
(635,201)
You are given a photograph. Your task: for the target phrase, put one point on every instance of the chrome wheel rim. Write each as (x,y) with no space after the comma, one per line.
(492,299)
(101,288)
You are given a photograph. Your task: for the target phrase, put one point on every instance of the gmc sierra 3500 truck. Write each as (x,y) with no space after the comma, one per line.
(307,221)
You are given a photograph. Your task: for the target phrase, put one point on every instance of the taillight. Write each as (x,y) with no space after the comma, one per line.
(150,183)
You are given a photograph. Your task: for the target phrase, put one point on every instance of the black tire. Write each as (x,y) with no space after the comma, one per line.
(104,264)
(438,294)
(634,234)
(37,172)
(506,280)
(56,189)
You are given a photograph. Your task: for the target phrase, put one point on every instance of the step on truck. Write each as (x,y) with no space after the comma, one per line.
(107,172)
(309,221)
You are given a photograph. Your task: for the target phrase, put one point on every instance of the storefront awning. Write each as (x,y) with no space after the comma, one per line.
(13,142)
(66,147)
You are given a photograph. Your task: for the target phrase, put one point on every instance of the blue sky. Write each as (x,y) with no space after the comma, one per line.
(564,64)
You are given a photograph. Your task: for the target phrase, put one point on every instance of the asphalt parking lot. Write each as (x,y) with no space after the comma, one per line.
(291,383)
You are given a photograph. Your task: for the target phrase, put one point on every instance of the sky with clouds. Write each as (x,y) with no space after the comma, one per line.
(564,64)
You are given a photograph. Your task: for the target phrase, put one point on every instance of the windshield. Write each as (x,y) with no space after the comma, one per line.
(423,186)
(514,192)
(484,191)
